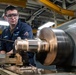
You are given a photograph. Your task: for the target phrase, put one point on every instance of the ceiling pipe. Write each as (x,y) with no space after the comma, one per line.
(58,9)
(64,7)
(34,15)
(71,1)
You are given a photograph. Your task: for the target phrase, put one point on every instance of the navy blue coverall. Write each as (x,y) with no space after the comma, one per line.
(22,30)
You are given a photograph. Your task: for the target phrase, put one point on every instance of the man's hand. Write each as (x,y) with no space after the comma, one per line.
(11,52)
(2,52)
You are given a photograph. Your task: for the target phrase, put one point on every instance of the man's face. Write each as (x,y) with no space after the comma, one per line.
(12,17)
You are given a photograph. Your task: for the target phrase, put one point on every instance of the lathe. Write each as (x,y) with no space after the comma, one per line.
(52,47)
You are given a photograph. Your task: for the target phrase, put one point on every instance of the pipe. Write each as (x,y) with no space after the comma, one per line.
(71,1)
(58,9)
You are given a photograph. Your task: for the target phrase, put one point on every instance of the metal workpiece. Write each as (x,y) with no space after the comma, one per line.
(60,46)
(52,46)
(70,29)
(31,45)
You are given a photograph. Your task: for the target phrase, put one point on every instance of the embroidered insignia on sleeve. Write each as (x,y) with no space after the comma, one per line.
(26,34)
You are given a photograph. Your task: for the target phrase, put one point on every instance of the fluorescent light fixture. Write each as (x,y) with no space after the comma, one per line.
(4,23)
(48,24)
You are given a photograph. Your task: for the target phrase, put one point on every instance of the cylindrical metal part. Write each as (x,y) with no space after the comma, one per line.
(35,45)
(38,45)
(60,46)
(54,46)
(64,47)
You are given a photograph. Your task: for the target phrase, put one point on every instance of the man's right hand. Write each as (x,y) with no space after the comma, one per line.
(11,52)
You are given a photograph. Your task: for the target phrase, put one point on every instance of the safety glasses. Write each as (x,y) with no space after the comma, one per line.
(11,15)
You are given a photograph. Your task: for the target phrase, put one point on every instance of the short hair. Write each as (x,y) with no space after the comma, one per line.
(10,7)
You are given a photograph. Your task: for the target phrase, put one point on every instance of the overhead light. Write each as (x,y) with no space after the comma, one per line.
(48,24)
(4,23)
